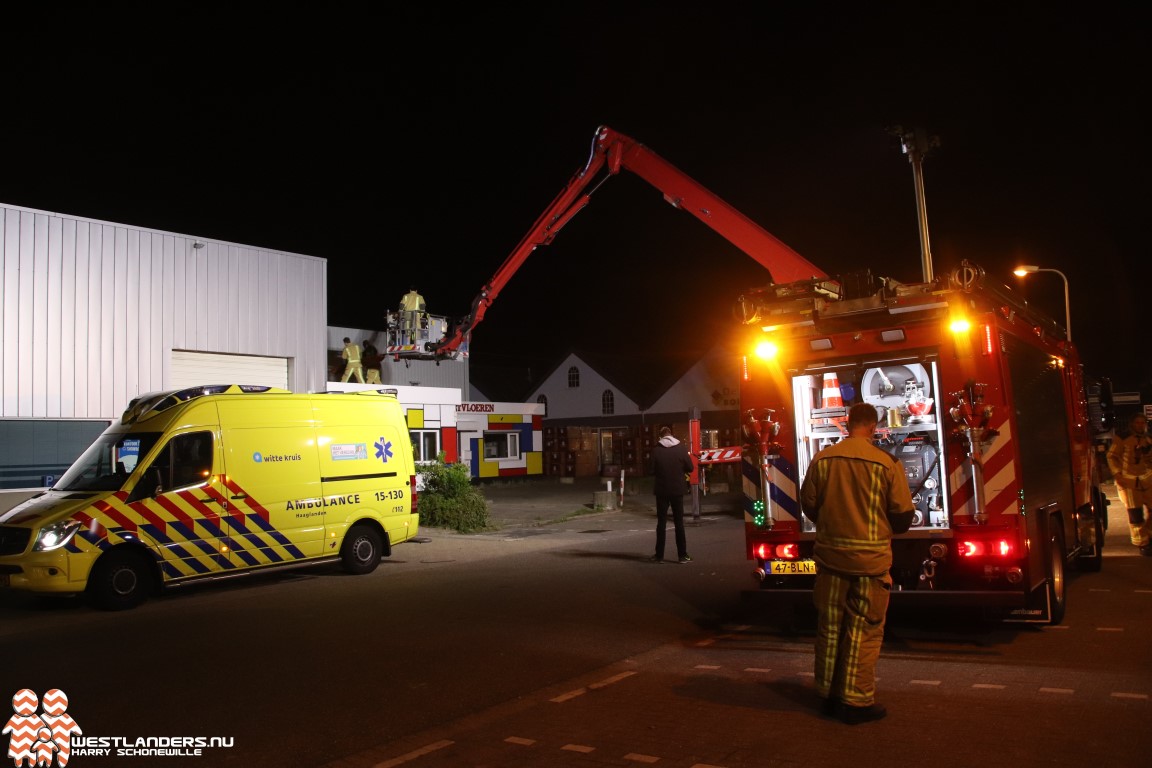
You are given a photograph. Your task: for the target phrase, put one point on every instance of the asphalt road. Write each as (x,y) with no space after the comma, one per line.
(552,643)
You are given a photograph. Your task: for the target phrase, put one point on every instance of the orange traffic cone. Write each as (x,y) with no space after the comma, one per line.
(832,397)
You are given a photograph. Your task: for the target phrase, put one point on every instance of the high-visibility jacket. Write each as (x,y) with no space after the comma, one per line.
(1130,459)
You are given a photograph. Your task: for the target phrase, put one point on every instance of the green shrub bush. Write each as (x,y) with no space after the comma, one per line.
(449,499)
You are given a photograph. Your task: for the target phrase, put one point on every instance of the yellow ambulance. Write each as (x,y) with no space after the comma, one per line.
(214,481)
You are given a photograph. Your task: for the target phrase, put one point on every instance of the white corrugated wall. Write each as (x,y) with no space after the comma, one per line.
(90,311)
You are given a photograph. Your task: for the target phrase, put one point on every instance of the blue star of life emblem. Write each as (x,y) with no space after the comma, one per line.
(383,450)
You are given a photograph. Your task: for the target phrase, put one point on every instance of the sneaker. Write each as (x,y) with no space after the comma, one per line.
(685,559)
(655,559)
(1146,550)
(856,715)
(831,707)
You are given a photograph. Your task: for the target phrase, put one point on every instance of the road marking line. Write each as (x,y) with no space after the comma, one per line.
(521,741)
(1058,690)
(757,669)
(613,679)
(924,682)
(415,754)
(706,666)
(1122,695)
(1109,629)
(581,691)
(1097,589)
(578,748)
(1143,591)
(641,758)
(992,686)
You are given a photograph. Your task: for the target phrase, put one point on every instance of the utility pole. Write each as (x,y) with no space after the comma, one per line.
(917,144)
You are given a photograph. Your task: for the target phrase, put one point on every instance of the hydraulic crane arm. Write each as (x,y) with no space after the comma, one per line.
(612,152)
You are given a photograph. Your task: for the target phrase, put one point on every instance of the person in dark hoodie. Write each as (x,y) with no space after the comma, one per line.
(858,497)
(671,464)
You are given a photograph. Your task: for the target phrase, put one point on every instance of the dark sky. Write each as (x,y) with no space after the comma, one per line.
(416,147)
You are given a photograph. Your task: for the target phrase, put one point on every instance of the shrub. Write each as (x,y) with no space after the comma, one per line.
(450,501)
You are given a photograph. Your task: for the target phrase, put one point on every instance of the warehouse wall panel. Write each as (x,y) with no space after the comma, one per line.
(91,311)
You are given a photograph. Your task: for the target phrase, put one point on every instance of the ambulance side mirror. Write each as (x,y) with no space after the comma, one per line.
(149,487)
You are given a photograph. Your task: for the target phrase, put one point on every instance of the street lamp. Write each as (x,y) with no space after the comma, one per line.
(1028,269)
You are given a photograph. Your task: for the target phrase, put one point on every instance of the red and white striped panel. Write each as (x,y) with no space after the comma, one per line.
(721,455)
(1001,476)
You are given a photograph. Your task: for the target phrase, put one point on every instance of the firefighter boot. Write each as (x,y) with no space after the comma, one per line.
(1139,536)
(856,715)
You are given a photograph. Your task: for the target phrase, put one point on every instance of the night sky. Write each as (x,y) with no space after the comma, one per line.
(417,147)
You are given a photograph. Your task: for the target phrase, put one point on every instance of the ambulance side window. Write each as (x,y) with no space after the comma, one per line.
(192,459)
(185,461)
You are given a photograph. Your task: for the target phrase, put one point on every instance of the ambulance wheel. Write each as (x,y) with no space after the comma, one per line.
(361,550)
(1057,586)
(121,579)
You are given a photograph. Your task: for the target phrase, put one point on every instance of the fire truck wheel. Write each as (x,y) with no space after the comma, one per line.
(121,579)
(361,550)
(1057,588)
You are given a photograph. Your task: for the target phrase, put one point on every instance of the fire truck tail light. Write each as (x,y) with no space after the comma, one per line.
(766,551)
(996,548)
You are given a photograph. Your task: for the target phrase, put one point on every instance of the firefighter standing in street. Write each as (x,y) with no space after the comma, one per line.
(1131,465)
(353,367)
(858,496)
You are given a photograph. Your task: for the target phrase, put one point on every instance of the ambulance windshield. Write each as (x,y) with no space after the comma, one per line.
(108,462)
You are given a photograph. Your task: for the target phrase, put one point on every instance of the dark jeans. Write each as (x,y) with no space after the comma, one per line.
(677,505)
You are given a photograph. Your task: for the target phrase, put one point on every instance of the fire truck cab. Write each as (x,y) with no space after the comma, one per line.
(981,400)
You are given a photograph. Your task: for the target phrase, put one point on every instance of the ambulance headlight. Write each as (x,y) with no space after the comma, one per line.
(56,535)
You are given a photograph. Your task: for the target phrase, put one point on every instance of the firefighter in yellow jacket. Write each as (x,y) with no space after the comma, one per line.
(411,312)
(858,496)
(1131,464)
(351,354)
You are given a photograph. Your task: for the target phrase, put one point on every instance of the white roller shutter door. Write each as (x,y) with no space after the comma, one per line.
(190,369)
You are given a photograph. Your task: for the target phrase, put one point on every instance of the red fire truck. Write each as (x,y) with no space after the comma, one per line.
(982,402)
